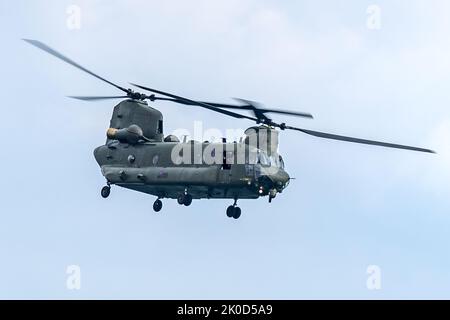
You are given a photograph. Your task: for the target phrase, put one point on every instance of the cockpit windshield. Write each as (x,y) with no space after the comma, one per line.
(263,159)
(275,160)
(257,156)
(281,162)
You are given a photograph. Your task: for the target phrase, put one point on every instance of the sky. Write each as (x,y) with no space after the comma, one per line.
(372,69)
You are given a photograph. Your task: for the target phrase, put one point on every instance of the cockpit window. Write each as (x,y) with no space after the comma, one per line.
(274,160)
(281,162)
(263,159)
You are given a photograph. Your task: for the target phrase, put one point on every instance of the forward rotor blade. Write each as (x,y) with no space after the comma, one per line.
(97,98)
(58,55)
(186,101)
(357,140)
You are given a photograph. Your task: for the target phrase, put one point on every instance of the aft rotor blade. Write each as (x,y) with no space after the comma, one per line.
(240,107)
(58,55)
(97,98)
(358,140)
(288,112)
(248,107)
(196,103)
(260,112)
(186,101)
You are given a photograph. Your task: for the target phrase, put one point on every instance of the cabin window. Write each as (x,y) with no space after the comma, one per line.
(155,159)
(160,126)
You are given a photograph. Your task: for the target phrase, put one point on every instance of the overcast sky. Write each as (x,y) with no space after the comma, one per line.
(350,207)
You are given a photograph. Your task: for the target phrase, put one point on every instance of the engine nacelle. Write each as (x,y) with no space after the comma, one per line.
(131,135)
(131,112)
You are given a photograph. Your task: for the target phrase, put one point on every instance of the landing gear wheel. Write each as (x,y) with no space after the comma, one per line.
(187,200)
(184,199)
(157,205)
(230,211)
(106,190)
(233,212)
(180,199)
(236,212)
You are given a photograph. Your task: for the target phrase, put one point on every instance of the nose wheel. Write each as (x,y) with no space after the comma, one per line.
(234,211)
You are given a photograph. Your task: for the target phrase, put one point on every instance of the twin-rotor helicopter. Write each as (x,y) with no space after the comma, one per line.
(138,156)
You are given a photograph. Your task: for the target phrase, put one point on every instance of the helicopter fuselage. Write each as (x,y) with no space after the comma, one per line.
(158,169)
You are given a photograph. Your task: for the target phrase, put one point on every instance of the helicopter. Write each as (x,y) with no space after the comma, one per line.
(137,155)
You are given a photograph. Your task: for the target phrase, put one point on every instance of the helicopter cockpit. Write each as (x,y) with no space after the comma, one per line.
(262,158)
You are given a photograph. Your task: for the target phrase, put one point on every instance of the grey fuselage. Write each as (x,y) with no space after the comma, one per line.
(157,167)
